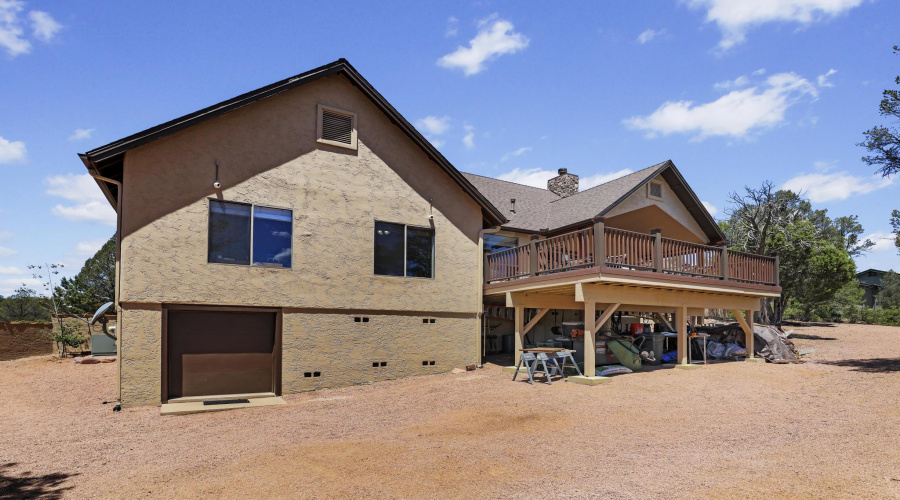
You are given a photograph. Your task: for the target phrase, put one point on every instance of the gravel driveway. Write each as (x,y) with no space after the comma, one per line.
(827,428)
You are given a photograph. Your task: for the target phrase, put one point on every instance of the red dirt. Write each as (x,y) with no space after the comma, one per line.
(825,428)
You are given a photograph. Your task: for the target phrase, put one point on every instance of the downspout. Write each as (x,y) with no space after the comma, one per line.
(480,315)
(118,281)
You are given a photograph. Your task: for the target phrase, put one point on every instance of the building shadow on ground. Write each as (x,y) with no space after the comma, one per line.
(803,336)
(873,365)
(26,485)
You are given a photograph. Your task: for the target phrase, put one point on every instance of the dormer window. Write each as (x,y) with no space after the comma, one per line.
(654,190)
(335,127)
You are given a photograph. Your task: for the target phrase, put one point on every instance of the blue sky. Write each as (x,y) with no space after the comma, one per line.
(734,92)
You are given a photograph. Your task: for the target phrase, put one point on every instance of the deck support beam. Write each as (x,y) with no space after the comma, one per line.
(682,321)
(590,344)
(656,297)
(520,331)
(745,319)
(534,321)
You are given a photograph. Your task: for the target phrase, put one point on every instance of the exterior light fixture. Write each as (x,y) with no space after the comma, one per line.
(216,183)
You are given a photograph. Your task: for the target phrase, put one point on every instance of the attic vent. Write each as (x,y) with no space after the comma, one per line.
(654,190)
(336,127)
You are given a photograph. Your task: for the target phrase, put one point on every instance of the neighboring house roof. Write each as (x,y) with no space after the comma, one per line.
(539,210)
(108,160)
(871,277)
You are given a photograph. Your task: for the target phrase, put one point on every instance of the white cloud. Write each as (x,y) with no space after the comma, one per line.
(469,138)
(518,152)
(81,133)
(822,80)
(8,286)
(11,270)
(736,17)
(11,151)
(883,241)
(649,35)
(433,125)
(89,203)
(89,248)
(495,37)
(735,114)
(590,181)
(529,176)
(739,82)
(12,27)
(452,27)
(822,186)
(6,252)
(710,208)
(12,32)
(537,177)
(43,26)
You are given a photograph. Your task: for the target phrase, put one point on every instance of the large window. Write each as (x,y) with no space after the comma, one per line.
(402,250)
(245,234)
(497,242)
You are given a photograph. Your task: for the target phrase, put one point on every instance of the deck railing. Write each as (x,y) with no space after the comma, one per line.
(623,249)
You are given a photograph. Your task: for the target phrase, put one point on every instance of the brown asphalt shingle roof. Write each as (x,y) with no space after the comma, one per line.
(538,209)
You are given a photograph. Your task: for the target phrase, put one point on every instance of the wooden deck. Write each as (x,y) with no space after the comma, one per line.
(625,253)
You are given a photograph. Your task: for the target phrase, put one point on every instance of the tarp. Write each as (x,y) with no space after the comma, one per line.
(770,342)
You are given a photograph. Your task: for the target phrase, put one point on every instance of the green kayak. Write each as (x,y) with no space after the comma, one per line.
(627,354)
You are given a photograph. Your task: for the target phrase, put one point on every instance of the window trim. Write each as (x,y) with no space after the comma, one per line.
(650,191)
(252,217)
(353,136)
(405,262)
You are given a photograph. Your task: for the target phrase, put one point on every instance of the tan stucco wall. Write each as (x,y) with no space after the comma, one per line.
(670,204)
(325,341)
(268,155)
(343,351)
(140,354)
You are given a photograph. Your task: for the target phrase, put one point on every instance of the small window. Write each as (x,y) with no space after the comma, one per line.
(402,250)
(654,190)
(336,127)
(245,234)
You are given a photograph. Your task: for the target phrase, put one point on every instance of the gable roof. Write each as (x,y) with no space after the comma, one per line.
(544,212)
(108,160)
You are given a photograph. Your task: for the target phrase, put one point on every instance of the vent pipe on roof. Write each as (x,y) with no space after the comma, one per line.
(563,185)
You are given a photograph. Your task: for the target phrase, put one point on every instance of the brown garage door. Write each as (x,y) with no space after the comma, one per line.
(213,352)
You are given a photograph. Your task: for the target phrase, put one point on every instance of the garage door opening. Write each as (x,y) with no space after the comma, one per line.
(214,352)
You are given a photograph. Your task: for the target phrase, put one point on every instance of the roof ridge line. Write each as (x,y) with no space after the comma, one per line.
(511,182)
(656,166)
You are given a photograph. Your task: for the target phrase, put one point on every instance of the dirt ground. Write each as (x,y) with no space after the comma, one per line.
(825,428)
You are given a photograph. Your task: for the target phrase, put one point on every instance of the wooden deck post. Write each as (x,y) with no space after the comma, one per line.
(487,267)
(776,272)
(681,317)
(534,255)
(520,331)
(657,249)
(724,261)
(590,341)
(745,319)
(748,317)
(599,241)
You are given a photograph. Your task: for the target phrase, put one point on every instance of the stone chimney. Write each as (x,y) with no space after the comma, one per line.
(565,184)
